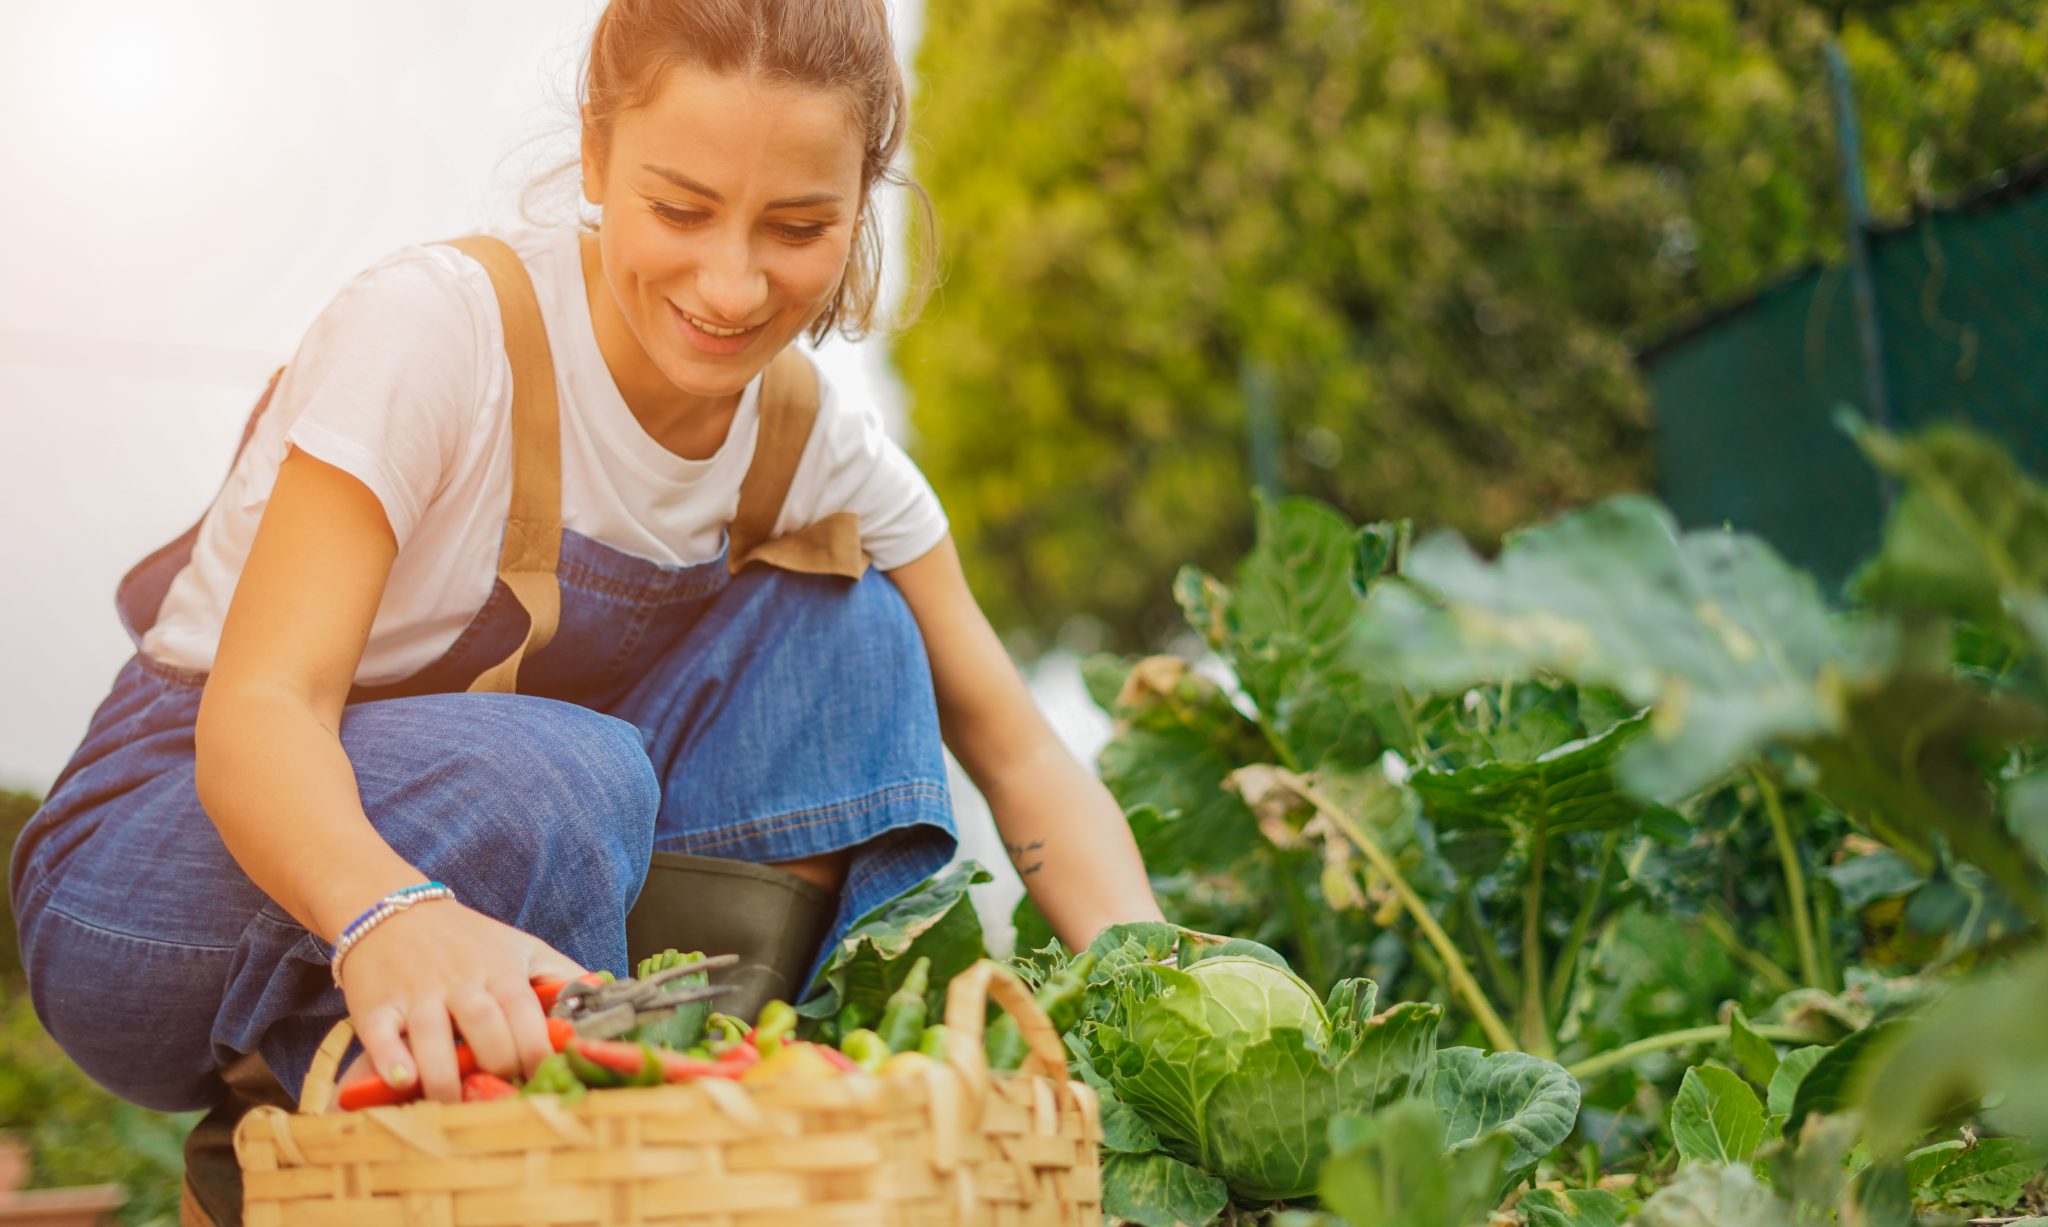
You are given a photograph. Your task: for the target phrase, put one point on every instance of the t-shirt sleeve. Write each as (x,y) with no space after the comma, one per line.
(851,464)
(385,382)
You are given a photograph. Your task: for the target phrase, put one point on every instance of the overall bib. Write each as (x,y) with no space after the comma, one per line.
(754,713)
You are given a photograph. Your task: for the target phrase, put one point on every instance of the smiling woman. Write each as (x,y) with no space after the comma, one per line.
(550,578)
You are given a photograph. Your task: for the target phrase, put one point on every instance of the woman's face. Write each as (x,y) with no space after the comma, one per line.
(730,207)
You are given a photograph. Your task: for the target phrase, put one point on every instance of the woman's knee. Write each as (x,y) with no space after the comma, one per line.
(538,775)
(866,620)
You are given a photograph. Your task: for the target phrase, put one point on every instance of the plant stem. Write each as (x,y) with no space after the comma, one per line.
(1795,881)
(1455,967)
(1567,964)
(1720,930)
(1531,1020)
(1594,1066)
(1498,977)
(1304,918)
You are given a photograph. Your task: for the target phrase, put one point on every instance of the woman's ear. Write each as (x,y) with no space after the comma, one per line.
(593,165)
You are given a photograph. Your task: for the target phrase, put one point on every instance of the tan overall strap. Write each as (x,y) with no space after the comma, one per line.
(789,408)
(533,524)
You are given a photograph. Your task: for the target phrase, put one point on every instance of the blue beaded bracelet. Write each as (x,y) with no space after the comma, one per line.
(384,909)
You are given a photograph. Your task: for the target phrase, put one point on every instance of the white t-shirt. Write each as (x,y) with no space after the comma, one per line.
(403,383)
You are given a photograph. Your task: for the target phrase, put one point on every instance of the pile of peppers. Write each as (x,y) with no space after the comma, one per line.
(712,1045)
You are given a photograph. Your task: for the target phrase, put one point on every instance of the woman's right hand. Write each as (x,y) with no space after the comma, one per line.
(439,969)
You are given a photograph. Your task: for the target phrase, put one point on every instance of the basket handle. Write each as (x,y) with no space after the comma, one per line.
(966,1012)
(316,1094)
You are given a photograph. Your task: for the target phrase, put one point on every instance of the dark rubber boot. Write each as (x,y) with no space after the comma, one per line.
(213,1179)
(769,917)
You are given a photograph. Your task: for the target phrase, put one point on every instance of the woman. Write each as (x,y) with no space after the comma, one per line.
(320,719)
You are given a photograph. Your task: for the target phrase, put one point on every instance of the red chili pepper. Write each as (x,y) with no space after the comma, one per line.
(549,990)
(678,1068)
(483,1086)
(372,1091)
(740,1056)
(614,1055)
(838,1059)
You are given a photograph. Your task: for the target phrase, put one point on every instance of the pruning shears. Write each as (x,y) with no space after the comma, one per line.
(605,1010)
(589,1006)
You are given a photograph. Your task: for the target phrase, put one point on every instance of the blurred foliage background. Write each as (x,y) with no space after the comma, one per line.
(1429,236)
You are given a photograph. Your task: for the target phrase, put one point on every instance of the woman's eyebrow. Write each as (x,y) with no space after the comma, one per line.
(683,181)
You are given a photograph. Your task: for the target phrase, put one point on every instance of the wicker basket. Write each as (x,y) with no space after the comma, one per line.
(954,1146)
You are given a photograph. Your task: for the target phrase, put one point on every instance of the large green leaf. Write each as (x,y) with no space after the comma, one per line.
(1733,651)
(1479,811)
(1177,736)
(1289,625)
(1709,1196)
(1571,1208)
(1784,1086)
(1392,1172)
(1910,758)
(1158,1190)
(1968,534)
(1984,1036)
(933,919)
(1716,1118)
(1753,1052)
(1712,628)
(1982,1174)
(1533,1101)
(1826,1087)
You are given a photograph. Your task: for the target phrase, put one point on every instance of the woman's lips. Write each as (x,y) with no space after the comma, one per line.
(710,343)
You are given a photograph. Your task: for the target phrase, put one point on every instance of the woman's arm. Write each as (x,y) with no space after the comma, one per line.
(1064,832)
(275,779)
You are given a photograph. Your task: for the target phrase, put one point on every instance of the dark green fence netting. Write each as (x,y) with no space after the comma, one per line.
(1746,398)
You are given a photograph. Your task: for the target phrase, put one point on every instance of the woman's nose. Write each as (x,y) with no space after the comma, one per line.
(731,284)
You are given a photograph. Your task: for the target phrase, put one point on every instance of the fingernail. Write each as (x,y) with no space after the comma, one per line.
(399,1076)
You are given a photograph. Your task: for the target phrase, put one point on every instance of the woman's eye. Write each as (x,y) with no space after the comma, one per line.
(672,214)
(801,232)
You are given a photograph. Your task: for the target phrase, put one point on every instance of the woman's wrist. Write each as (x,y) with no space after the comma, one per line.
(344,897)
(384,909)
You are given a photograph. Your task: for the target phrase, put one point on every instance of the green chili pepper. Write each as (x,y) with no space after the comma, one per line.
(865,1048)
(852,1017)
(650,1068)
(933,1042)
(588,1072)
(554,1077)
(775,1026)
(903,1019)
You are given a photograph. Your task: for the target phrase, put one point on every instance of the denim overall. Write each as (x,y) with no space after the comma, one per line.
(760,715)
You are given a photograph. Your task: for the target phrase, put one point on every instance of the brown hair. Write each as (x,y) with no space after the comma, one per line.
(829,44)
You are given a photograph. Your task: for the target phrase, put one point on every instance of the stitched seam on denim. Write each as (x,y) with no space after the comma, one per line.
(629,643)
(596,582)
(82,922)
(925,790)
(170,673)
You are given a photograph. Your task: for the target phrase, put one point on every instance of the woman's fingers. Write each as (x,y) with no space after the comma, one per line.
(529,1026)
(480,1017)
(544,962)
(378,1030)
(433,1049)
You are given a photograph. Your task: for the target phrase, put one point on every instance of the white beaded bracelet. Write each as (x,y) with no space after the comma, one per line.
(385,908)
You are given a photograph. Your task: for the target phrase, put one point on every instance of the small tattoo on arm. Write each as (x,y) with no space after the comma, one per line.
(1018,853)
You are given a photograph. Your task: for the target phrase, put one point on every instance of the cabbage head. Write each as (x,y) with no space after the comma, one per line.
(1239,1069)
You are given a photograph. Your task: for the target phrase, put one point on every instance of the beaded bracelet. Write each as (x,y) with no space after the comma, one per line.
(379,912)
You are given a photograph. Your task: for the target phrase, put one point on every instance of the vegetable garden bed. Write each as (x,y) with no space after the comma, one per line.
(1624,877)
